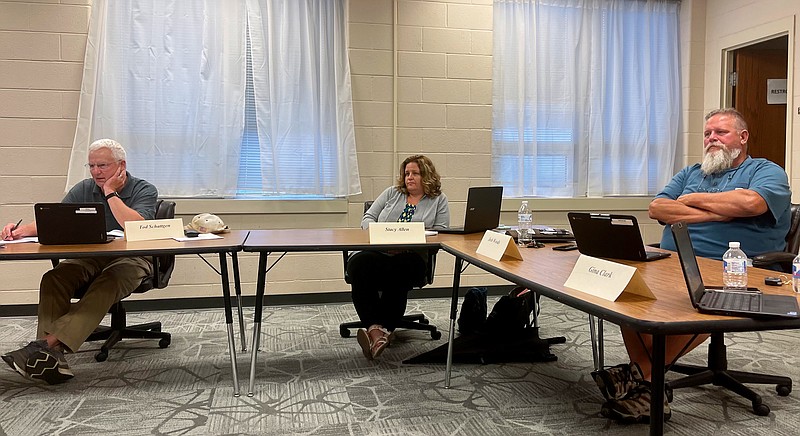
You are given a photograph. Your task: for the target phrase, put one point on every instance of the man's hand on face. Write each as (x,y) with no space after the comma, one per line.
(117,181)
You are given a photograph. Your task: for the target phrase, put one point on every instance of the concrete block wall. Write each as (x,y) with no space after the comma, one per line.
(443,91)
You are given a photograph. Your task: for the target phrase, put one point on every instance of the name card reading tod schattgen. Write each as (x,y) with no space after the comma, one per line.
(147,230)
(496,245)
(397,233)
(607,280)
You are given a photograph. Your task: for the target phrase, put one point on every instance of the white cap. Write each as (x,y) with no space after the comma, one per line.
(207,223)
(733,244)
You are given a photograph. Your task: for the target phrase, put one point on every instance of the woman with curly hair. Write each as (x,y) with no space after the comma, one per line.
(381,280)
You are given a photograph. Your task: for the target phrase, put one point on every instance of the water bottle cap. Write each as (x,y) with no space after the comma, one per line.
(733,244)
(524,201)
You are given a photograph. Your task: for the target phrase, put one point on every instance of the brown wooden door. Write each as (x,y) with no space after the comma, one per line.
(767,122)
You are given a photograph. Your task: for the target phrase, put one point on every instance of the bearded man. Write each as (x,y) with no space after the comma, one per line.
(730,196)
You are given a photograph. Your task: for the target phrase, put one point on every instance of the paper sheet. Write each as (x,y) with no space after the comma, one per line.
(21,240)
(199,237)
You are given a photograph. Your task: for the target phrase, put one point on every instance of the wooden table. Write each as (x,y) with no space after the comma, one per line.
(231,243)
(545,271)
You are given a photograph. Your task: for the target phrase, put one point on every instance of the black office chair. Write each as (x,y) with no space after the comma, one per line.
(119,330)
(783,258)
(415,321)
(717,372)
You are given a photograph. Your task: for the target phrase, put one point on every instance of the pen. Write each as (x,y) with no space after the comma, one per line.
(11,232)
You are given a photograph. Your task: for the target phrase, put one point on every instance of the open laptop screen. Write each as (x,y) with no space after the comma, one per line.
(70,223)
(610,235)
(483,210)
(688,259)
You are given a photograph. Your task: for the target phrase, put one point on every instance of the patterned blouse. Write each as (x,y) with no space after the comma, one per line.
(407,214)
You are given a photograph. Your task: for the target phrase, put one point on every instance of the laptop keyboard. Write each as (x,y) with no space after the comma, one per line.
(747,302)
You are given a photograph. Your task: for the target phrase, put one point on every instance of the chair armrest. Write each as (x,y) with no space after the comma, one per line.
(776,257)
(162,271)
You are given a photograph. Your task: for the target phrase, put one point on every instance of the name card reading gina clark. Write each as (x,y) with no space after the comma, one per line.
(605,279)
(397,233)
(148,230)
(496,245)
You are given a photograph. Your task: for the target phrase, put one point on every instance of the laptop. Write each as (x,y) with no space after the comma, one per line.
(714,300)
(483,210)
(71,223)
(609,235)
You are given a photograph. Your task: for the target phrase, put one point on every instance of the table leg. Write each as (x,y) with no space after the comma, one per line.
(237,283)
(226,295)
(596,333)
(593,335)
(261,285)
(600,344)
(657,380)
(453,311)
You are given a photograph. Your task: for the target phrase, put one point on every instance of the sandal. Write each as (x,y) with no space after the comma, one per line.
(380,340)
(365,342)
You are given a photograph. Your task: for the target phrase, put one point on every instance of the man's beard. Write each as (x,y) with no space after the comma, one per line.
(718,161)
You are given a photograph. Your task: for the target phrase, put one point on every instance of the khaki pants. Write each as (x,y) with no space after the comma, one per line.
(112,279)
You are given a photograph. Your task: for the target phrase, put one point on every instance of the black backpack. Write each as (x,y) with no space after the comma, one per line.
(512,313)
(473,311)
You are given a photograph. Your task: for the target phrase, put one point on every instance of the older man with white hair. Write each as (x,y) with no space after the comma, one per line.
(730,196)
(63,326)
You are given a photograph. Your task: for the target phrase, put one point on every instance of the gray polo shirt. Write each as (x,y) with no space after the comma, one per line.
(137,194)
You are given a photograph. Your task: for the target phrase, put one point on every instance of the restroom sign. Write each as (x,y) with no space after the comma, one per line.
(776,91)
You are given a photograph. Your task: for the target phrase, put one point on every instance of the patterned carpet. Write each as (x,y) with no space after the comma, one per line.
(312,381)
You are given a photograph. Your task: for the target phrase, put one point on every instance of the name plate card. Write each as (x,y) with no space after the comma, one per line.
(607,280)
(397,233)
(148,230)
(496,245)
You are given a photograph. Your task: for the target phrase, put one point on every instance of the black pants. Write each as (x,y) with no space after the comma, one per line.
(380,284)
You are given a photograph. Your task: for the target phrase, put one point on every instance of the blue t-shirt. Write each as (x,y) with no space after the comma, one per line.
(759,234)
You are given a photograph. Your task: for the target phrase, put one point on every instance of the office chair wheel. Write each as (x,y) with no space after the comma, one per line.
(101,356)
(344,332)
(760,409)
(436,335)
(164,342)
(784,390)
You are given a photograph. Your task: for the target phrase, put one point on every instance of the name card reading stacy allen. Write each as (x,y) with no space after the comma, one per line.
(605,279)
(496,245)
(397,233)
(153,229)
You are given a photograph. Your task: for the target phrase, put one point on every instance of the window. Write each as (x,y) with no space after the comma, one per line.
(222,99)
(586,97)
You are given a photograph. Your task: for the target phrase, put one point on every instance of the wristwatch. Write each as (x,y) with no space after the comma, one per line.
(113,194)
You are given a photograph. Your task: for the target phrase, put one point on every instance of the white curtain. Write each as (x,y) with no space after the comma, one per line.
(167,79)
(301,79)
(586,97)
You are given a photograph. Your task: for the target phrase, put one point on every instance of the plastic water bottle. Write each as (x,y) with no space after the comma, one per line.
(524,221)
(796,273)
(734,264)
